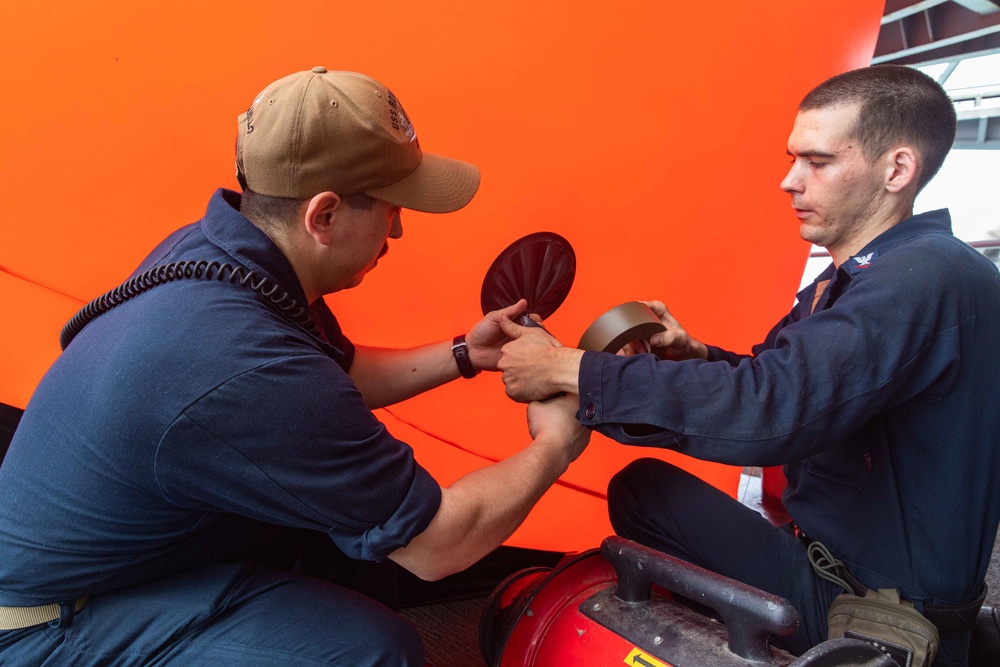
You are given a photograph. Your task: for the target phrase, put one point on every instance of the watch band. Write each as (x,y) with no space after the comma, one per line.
(461,352)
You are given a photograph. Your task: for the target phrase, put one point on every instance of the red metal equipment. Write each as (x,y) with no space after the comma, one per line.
(609,607)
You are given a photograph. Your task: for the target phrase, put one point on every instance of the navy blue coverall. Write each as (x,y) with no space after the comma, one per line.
(877,394)
(168,456)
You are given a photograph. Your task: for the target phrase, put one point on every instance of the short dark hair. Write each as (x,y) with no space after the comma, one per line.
(272,213)
(359,201)
(898,104)
(267,211)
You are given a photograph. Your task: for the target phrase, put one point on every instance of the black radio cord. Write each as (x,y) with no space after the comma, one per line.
(195,268)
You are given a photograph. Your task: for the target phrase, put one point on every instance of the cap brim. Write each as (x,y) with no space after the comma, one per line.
(438,185)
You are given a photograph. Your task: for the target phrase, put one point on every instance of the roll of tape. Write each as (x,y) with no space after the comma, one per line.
(619,326)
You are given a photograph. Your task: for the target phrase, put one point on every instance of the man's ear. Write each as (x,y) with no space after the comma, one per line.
(320,216)
(902,170)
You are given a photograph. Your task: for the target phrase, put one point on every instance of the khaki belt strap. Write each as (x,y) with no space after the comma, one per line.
(948,618)
(16,618)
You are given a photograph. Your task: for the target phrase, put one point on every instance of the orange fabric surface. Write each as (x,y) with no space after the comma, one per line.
(651,135)
(29,334)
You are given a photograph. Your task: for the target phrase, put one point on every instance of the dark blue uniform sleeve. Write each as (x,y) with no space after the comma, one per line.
(303,451)
(817,378)
(731,358)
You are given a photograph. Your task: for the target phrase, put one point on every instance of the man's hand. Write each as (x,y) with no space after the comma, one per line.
(554,421)
(675,340)
(487,337)
(535,365)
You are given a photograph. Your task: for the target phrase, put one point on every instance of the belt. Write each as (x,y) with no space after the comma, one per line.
(949,618)
(16,618)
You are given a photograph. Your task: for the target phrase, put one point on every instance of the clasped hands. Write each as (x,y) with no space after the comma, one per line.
(535,365)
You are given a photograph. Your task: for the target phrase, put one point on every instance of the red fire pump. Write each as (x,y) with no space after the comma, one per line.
(603,608)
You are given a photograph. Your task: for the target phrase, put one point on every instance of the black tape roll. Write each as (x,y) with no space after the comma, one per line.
(624,324)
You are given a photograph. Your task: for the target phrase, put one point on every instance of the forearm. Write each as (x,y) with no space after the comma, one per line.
(564,368)
(482,509)
(387,376)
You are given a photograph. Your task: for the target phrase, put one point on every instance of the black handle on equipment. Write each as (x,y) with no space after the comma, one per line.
(751,615)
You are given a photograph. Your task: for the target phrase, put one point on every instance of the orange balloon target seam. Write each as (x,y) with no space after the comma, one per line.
(597,122)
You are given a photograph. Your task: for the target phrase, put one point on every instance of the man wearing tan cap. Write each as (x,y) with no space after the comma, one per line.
(208,414)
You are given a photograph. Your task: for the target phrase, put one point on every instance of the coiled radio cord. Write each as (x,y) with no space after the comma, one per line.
(194,268)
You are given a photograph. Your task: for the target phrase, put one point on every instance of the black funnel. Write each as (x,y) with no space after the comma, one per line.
(538,267)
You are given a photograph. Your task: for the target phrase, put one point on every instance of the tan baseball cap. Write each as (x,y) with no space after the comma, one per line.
(343,132)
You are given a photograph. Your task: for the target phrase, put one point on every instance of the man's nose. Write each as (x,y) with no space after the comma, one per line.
(791,182)
(396,231)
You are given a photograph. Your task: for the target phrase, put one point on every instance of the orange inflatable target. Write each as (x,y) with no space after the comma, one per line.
(650,135)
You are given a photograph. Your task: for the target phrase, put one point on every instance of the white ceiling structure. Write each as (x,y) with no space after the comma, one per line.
(958,43)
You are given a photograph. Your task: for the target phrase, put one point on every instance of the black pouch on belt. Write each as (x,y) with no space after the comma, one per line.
(890,624)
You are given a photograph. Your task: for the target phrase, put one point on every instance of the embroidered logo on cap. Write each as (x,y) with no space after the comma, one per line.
(399,119)
(249,114)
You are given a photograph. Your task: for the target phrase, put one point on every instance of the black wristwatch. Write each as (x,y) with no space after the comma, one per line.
(461,352)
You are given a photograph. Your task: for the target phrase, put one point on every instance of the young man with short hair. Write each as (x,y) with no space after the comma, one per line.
(877,392)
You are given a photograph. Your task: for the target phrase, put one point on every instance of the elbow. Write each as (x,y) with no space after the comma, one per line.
(431,574)
(429,569)
(434,571)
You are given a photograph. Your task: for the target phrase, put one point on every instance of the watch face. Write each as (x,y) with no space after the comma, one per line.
(539,267)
